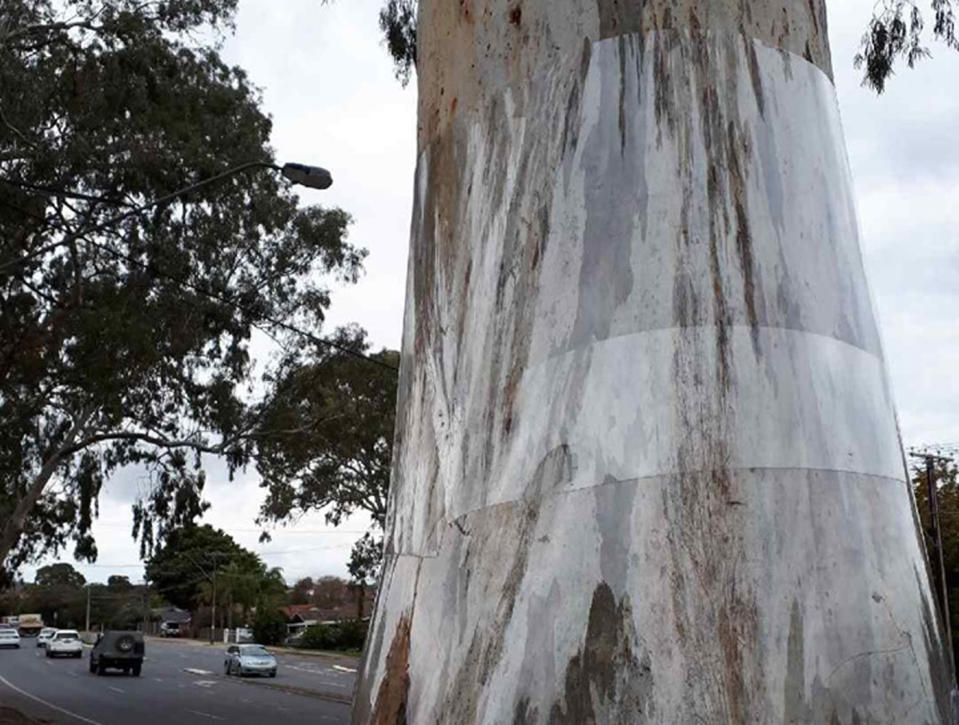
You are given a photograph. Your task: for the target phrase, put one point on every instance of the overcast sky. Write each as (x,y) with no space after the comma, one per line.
(328,84)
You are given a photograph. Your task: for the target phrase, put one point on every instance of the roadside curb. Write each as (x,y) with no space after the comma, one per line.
(293,690)
(279,687)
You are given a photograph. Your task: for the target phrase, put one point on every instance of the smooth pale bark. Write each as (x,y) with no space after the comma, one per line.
(13,527)
(647,466)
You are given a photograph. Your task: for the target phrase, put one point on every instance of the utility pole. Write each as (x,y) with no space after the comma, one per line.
(213,616)
(212,577)
(932,491)
(146,604)
(87,626)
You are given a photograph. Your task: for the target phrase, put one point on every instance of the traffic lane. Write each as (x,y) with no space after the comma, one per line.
(64,691)
(308,673)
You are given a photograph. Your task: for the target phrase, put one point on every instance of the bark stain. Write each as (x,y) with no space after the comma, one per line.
(391,700)
(606,681)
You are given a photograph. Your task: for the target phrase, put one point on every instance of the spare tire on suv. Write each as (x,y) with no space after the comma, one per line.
(118,650)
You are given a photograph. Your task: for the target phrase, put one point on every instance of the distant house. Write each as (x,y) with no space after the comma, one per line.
(301,616)
(172,614)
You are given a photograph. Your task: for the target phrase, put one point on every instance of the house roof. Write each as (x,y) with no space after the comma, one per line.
(173,614)
(301,611)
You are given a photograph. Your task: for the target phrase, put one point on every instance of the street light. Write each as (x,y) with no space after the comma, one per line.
(312,177)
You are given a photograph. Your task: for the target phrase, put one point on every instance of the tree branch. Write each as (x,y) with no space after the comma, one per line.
(152,440)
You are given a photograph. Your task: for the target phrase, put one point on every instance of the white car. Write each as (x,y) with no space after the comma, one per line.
(65,643)
(45,634)
(9,638)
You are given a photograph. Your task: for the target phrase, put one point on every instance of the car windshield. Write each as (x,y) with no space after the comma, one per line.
(67,636)
(253,650)
(8,633)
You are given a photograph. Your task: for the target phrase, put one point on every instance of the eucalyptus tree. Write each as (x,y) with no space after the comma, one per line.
(647,466)
(130,343)
(897,31)
(324,439)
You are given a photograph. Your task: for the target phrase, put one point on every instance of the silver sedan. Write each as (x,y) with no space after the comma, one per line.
(249,659)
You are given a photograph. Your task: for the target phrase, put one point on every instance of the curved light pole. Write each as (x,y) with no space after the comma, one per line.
(313,177)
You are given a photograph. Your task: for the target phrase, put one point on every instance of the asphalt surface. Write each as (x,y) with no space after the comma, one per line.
(181,682)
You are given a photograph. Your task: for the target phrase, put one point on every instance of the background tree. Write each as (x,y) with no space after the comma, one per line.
(269,625)
(58,595)
(302,591)
(130,344)
(117,583)
(342,411)
(59,575)
(183,564)
(946,476)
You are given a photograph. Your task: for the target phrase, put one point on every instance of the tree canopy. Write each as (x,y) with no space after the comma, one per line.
(342,409)
(185,560)
(897,32)
(59,575)
(129,343)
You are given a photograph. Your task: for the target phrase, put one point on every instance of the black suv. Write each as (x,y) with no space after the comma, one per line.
(118,650)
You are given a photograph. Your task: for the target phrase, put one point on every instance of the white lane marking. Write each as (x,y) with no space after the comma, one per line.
(157,679)
(193,671)
(13,687)
(116,689)
(206,714)
(343,669)
(204,683)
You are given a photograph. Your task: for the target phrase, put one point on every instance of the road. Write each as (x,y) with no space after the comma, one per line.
(181,683)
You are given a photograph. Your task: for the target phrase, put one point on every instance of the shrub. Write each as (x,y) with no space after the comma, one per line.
(348,634)
(269,626)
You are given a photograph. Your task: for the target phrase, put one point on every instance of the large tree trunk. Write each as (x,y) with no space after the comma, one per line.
(648,468)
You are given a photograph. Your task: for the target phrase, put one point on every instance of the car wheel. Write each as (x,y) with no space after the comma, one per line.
(136,670)
(101,670)
(273,674)
(226,669)
(93,665)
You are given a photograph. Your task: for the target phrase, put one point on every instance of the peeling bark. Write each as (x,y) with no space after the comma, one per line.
(390,708)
